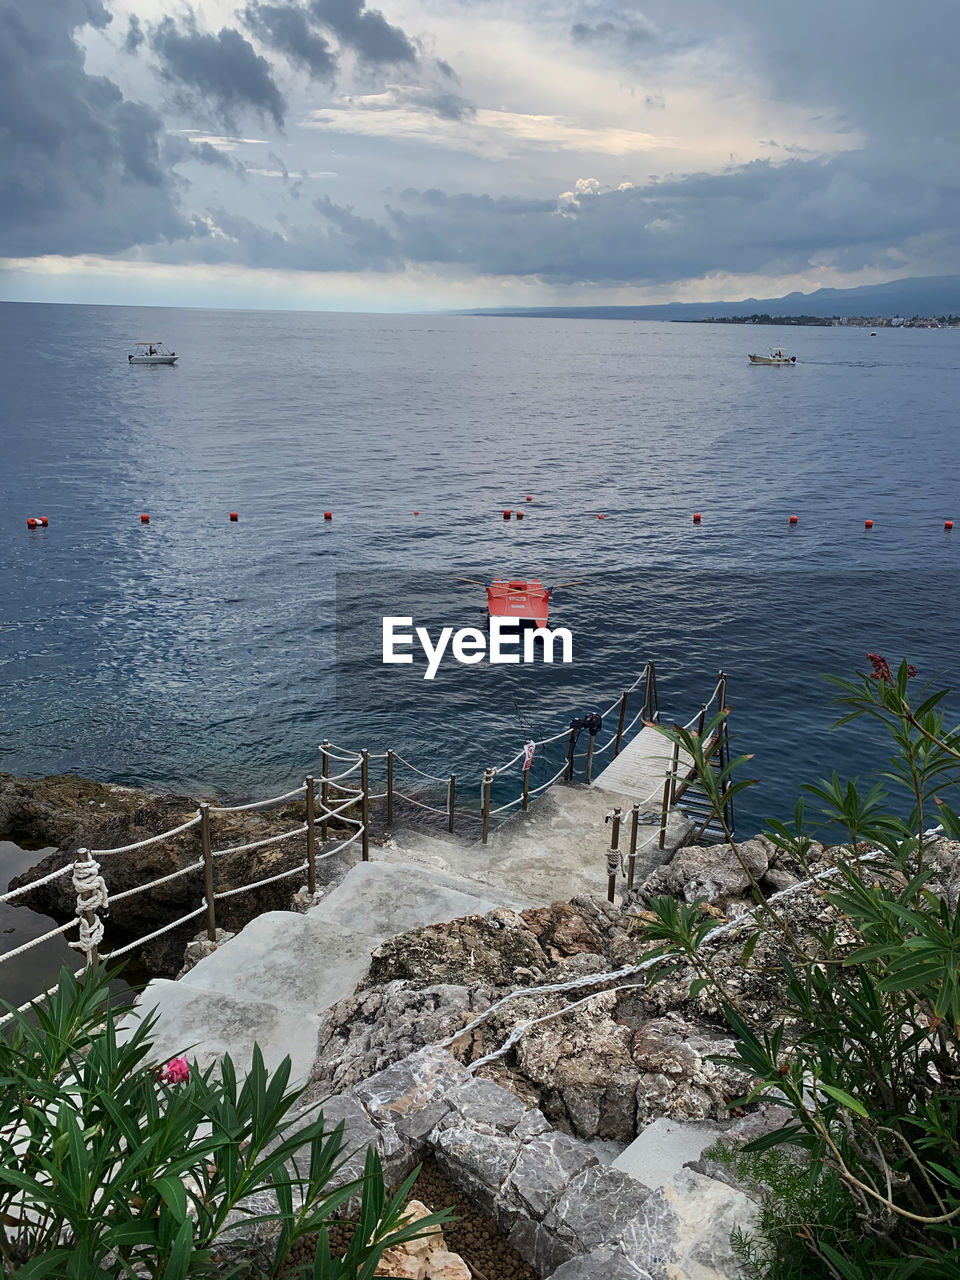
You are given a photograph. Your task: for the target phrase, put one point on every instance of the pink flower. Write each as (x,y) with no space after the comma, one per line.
(177,1071)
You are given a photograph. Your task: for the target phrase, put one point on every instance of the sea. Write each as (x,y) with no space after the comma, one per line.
(198,654)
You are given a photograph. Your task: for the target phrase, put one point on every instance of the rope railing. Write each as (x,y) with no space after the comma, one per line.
(326,801)
(91,889)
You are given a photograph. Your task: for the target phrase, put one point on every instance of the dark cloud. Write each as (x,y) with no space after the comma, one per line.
(134,37)
(82,169)
(337,239)
(606,22)
(287,29)
(223,70)
(364,31)
(851,211)
(431,101)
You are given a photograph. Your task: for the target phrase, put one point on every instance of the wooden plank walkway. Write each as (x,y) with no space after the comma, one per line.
(638,771)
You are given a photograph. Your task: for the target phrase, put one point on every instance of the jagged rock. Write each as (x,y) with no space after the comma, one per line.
(201,946)
(380,1025)
(426,1258)
(76,813)
(776,879)
(684,1229)
(444,1265)
(712,871)
(544,1166)
(606,1263)
(596,1205)
(39,812)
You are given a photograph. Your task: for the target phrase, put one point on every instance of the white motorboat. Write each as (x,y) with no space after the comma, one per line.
(152,353)
(775,357)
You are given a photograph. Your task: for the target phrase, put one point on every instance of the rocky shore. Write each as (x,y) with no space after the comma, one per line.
(70,813)
(608,1067)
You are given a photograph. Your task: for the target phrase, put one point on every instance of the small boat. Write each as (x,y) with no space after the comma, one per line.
(524,602)
(152,353)
(775,357)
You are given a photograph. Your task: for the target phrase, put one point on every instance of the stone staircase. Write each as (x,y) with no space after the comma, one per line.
(272,982)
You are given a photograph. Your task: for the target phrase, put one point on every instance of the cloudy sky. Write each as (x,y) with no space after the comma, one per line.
(454,153)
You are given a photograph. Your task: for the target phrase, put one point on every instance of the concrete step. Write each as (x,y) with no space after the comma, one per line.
(664,1147)
(206,1024)
(387,898)
(292,961)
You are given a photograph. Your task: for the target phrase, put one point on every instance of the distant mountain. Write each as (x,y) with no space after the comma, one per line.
(919,295)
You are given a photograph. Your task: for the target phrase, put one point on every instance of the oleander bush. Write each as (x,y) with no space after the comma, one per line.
(112,1165)
(865,1052)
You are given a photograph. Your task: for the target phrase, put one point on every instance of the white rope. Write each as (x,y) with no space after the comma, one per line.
(78,973)
(420,804)
(152,884)
(331,748)
(262,804)
(543,786)
(597,979)
(353,798)
(91,891)
(35,884)
(142,844)
(346,773)
(257,884)
(508,805)
(431,777)
(35,942)
(157,933)
(259,844)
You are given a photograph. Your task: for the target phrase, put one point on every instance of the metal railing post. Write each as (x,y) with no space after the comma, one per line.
(324,788)
(89,915)
(623,713)
(589,759)
(634,826)
(526,790)
(365,805)
(487,779)
(451,801)
(664,811)
(208,888)
(674,769)
(613,857)
(311,839)
(389,788)
(568,775)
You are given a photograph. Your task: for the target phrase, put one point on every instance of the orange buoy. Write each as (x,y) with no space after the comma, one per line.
(519,515)
(328,515)
(696,517)
(43,520)
(234,516)
(600,517)
(33,522)
(144,518)
(416,513)
(529,497)
(948,524)
(868,524)
(506,514)
(794,519)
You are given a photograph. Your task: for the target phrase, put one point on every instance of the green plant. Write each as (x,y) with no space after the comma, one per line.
(866,1053)
(113,1166)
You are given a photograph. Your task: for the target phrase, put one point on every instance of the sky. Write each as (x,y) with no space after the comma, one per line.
(428,154)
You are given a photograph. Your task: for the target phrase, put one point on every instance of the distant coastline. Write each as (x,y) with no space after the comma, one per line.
(835,322)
